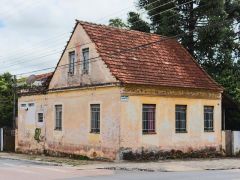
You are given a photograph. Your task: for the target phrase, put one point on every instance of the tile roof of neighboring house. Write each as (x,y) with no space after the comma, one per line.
(43,77)
(165,63)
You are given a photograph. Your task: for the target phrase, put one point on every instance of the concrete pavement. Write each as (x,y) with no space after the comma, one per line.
(159,166)
(27,170)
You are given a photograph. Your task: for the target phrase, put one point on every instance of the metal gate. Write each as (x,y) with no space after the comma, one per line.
(7,139)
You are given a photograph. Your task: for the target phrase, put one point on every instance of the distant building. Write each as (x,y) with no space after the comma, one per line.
(117,89)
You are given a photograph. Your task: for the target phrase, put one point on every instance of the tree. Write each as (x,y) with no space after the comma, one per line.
(206,28)
(6,100)
(117,22)
(136,23)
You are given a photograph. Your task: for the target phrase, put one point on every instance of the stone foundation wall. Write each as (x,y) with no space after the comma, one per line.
(67,150)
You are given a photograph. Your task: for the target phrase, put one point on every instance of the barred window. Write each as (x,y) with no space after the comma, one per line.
(148,118)
(71,62)
(95,118)
(181,118)
(40,117)
(208,118)
(58,117)
(85,53)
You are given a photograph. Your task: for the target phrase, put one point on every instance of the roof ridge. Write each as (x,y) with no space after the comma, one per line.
(120,29)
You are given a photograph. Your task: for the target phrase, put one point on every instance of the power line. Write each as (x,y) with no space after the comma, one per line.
(166,10)
(56,38)
(107,33)
(127,49)
(78,46)
(144,6)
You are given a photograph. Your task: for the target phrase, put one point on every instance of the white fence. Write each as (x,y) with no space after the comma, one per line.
(231,142)
(235,142)
(1,139)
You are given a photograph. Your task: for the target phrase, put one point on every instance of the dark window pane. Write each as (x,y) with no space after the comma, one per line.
(86,60)
(40,117)
(95,118)
(208,118)
(181,118)
(58,111)
(71,62)
(148,118)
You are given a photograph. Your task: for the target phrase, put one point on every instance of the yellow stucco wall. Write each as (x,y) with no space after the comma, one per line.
(166,138)
(121,123)
(75,136)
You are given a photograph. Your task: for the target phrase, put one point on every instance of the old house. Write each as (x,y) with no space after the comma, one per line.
(116,89)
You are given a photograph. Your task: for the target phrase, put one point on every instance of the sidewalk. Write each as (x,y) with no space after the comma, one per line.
(161,166)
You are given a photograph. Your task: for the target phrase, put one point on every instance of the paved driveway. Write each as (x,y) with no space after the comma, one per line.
(25,170)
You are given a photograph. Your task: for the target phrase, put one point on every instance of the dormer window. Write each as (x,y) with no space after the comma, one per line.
(86,61)
(71,63)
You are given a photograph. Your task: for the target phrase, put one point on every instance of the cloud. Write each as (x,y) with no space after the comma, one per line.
(2,24)
(25,23)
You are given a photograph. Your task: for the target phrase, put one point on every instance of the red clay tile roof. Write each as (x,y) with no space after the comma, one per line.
(43,77)
(165,63)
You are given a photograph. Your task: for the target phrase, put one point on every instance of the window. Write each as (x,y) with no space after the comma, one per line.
(85,53)
(71,62)
(208,118)
(58,117)
(95,118)
(40,117)
(23,105)
(148,118)
(181,118)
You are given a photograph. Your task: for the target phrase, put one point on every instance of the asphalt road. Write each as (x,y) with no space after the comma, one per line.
(24,170)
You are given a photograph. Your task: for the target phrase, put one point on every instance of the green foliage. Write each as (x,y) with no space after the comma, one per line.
(209,29)
(136,23)
(6,100)
(37,135)
(117,22)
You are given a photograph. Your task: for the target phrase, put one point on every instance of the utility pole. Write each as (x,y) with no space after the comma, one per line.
(14,100)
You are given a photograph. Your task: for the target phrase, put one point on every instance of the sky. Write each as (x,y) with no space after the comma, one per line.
(33,33)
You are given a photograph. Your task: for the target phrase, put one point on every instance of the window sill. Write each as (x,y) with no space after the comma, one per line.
(181,132)
(149,133)
(91,132)
(208,131)
(57,129)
